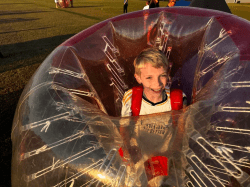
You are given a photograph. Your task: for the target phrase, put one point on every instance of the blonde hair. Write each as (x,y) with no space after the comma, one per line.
(150,55)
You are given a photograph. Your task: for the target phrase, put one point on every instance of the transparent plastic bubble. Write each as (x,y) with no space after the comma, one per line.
(67,129)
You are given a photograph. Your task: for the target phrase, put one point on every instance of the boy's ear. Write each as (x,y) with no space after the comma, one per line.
(138,78)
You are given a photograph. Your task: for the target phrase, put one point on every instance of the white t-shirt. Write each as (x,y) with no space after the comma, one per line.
(147,107)
(146,7)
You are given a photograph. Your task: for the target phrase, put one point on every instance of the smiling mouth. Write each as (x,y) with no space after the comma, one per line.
(158,90)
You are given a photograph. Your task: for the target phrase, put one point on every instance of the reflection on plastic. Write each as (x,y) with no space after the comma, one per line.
(67,126)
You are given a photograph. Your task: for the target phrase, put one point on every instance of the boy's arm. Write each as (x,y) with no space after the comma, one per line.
(125,134)
(130,151)
(125,129)
(126,104)
(126,111)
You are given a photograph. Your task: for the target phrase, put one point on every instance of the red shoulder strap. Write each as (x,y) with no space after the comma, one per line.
(176,98)
(137,92)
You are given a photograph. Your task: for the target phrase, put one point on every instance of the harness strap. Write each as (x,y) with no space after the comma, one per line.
(176,97)
(137,92)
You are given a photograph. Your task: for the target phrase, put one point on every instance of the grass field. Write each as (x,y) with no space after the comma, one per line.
(30,30)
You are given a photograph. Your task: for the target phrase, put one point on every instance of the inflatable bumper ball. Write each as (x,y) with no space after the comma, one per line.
(67,129)
(64,3)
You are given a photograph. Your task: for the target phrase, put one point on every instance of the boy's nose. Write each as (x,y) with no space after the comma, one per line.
(159,82)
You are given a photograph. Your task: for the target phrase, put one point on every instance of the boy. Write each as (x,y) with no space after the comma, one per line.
(151,67)
(151,70)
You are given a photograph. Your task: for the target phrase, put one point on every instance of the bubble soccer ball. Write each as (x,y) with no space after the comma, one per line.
(67,129)
(64,3)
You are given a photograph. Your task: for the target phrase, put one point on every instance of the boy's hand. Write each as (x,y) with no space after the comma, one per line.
(132,153)
(135,153)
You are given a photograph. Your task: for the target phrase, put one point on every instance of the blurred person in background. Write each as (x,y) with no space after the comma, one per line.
(125,6)
(171,3)
(154,4)
(157,4)
(147,5)
(57,3)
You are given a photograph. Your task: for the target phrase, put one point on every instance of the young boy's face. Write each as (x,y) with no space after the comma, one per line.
(153,80)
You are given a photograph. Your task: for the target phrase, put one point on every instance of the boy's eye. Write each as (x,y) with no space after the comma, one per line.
(148,77)
(164,75)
